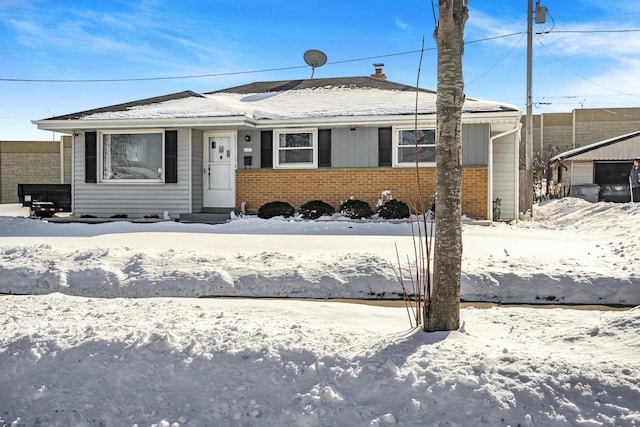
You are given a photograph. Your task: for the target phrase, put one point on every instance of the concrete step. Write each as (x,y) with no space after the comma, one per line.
(206,218)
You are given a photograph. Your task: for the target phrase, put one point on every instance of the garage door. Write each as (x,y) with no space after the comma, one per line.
(607,172)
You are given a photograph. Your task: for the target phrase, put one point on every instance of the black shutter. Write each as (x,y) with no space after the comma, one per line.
(90,157)
(266,149)
(384,147)
(324,148)
(171,156)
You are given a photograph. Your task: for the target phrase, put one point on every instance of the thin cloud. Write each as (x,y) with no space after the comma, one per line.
(614,82)
(481,25)
(403,25)
(137,35)
(590,43)
(586,42)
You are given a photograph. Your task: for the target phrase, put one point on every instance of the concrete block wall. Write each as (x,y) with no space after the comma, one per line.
(591,125)
(259,186)
(31,162)
(590,132)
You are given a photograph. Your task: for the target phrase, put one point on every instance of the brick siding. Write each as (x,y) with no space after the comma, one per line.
(257,187)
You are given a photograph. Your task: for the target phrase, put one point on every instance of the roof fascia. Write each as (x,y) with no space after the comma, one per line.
(585,149)
(405,120)
(245,122)
(69,125)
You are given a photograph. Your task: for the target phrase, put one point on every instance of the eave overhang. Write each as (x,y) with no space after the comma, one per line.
(243,122)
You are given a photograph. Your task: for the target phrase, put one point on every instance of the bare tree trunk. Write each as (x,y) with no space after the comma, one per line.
(443,311)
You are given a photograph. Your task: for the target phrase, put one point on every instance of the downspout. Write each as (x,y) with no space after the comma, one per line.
(490,171)
(74,133)
(190,136)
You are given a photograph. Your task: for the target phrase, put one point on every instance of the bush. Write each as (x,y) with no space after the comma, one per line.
(271,209)
(394,209)
(315,209)
(356,209)
(120,215)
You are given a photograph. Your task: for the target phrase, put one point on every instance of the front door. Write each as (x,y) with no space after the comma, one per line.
(219,170)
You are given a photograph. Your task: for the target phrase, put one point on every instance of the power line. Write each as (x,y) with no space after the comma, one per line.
(497,63)
(267,70)
(582,77)
(631,30)
(233,73)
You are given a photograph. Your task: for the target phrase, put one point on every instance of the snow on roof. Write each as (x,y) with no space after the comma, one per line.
(289,100)
(633,138)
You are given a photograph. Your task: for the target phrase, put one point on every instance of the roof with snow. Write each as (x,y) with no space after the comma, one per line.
(285,100)
(624,147)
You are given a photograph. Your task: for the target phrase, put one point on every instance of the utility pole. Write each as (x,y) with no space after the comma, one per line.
(529,119)
(541,16)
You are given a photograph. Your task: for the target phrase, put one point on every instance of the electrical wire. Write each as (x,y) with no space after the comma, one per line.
(631,30)
(234,73)
(433,10)
(368,58)
(581,76)
(497,63)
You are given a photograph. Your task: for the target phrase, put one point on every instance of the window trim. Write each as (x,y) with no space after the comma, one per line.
(277,148)
(396,146)
(100,152)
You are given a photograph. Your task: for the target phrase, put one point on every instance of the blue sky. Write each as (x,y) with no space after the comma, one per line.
(146,39)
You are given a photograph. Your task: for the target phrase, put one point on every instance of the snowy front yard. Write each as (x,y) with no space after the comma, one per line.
(71,357)
(574,252)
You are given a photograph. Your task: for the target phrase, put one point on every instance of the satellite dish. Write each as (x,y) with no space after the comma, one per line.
(315,58)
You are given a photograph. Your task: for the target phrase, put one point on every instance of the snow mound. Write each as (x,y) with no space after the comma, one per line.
(573,252)
(578,214)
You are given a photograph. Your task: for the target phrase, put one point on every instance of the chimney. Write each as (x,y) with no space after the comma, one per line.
(379,74)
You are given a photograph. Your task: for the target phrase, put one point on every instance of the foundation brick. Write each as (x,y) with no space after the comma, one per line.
(259,186)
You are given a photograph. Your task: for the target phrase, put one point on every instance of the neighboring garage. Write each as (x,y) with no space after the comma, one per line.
(598,171)
(605,172)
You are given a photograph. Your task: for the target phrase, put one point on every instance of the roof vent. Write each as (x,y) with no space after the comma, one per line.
(379,74)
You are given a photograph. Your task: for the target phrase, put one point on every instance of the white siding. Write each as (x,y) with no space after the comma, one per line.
(505,172)
(580,173)
(135,200)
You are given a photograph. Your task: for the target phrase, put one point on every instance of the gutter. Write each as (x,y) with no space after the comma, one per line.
(236,122)
(68,126)
(517,178)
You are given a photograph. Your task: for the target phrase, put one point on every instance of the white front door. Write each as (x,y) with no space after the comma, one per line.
(219,169)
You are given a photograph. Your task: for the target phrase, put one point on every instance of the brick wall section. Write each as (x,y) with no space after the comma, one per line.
(257,187)
(30,162)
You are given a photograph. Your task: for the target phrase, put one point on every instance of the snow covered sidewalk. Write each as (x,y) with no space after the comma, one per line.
(76,361)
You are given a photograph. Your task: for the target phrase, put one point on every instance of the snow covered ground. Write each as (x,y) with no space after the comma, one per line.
(71,357)
(574,252)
